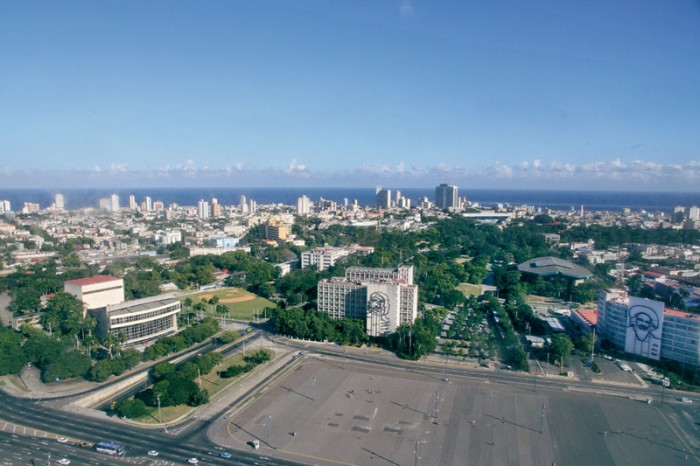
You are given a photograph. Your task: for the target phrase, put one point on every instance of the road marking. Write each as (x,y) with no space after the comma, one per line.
(687,447)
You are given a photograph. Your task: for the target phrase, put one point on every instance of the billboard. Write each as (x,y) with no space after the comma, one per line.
(645,319)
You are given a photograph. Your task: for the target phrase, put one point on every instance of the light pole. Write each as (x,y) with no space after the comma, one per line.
(437,398)
(269,429)
(445,378)
(160,419)
(313,388)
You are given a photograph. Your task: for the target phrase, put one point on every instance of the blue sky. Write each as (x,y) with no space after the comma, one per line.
(406,93)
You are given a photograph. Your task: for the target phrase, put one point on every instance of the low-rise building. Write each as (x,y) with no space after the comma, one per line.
(140,320)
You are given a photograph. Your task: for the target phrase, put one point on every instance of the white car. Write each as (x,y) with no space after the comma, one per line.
(63,461)
(62,440)
(193,461)
(152,453)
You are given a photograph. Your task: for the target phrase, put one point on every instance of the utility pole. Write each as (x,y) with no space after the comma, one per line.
(313,388)
(344,348)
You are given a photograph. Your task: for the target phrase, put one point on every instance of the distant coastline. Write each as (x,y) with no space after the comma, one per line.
(557,200)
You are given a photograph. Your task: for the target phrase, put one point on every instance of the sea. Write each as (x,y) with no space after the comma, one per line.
(558,200)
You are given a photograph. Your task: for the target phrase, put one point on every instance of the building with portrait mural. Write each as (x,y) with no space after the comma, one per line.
(383,298)
(646,328)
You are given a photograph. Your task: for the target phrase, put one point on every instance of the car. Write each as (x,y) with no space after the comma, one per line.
(62,440)
(225,454)
(63,461)
(152,453)
(193,461)
(686,400)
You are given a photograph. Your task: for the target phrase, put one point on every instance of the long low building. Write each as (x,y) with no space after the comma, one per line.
(140,320)
(646,328)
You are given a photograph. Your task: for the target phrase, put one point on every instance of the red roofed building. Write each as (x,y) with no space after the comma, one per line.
(585,318)
(96,292)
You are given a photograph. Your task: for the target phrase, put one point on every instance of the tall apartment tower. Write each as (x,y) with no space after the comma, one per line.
(215,207)
(383,198)
(446,196)
(203,209)
(303,205)
(114,203)
(59,202)
(132,202)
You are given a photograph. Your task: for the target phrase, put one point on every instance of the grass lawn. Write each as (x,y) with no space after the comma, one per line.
(210,382)
(240,303)
(469,290)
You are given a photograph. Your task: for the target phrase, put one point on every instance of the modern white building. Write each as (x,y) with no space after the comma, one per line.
(322,258)
(5,207)
(303,205)
(203,209)
(384,298)
(59,202)
(646,328)
(140,320)
(97,291)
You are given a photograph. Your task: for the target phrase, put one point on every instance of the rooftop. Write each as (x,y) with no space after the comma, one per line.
(546,266)
(93,280)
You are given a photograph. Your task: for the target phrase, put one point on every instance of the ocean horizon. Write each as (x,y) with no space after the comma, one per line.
(552,199)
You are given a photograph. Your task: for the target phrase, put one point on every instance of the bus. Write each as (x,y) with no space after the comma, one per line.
(109,448)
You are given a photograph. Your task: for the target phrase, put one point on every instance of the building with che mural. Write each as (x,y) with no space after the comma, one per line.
(383,298)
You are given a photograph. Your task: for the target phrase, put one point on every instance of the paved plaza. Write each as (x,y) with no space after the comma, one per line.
(325,411)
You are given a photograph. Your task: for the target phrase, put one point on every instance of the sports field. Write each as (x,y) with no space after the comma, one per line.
(240,304)
(328,412)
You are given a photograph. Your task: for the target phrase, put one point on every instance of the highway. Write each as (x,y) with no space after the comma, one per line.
(176,447)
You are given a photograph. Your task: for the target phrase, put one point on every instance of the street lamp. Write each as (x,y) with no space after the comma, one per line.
(160,419)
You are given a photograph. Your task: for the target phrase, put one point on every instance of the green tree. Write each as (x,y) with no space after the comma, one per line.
(131,408)
(561,347)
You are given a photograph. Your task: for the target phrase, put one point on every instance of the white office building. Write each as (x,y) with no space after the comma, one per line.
(203,209)
(303,205)
(97,291)
(384,298)
(646,328)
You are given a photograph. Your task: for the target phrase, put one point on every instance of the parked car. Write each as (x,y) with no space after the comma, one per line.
(225,454)
(152,453)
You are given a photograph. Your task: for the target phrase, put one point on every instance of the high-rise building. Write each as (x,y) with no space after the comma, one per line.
(215,207)
(114,203)
(252,206)
(5,207)
(132,202)
(203,209)
(59,202)
(446,197)
(158,206)
(303,205)
(384,298)
(694,213)
(243,205)
(383,198)
(149,204)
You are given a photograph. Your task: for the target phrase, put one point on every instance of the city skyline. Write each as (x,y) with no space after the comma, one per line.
(351,94)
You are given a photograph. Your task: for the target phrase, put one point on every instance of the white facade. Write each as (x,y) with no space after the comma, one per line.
(643,327)
(303,205)
(98,291)
(139,320)
(322,258)
(383,299)
(203,209)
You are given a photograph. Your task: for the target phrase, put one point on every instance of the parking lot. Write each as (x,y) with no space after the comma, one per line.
(328,412)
